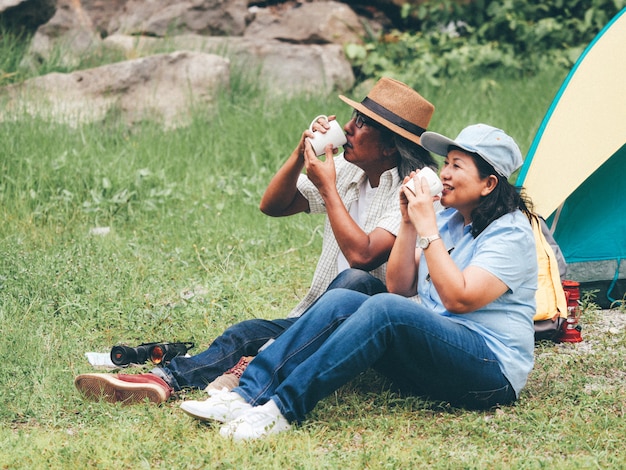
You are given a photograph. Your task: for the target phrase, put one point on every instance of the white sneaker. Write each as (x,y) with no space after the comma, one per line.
(223,407)
(215,391)
(258,422)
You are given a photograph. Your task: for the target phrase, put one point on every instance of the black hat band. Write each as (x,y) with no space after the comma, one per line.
(392,117)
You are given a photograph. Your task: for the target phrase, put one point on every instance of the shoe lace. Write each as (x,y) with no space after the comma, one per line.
(238,369)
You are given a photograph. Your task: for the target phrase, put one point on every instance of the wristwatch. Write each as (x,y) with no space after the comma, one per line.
(424,242)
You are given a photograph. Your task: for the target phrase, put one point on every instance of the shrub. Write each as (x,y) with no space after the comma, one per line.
(446,38)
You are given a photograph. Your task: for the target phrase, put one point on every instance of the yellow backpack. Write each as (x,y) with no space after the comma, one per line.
(550,296)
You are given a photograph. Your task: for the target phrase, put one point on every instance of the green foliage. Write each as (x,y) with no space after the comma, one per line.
(12,50)
(448,38)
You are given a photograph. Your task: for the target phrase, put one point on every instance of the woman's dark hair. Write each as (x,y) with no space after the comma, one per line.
(503,199)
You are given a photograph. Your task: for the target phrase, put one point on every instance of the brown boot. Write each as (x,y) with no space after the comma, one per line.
(229,379)
(125,388)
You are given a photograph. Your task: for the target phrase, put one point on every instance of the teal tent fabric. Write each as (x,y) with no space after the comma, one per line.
(592,223)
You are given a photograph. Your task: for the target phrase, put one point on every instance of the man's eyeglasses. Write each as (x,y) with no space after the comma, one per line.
(360,119)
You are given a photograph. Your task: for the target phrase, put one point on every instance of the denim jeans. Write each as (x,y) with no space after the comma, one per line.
(245,339)
(346,332)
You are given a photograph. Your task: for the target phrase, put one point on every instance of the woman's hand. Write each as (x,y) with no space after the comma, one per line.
(417,207)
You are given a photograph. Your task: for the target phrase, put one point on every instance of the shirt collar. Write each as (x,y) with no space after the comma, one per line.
(388,178)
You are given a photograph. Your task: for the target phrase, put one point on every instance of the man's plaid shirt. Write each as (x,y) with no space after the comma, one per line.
(384,212)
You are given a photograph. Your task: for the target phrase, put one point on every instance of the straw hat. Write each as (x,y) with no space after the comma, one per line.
(397,107)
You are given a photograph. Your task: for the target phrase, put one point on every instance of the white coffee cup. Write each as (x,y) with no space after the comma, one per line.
(434,183)
(335,135)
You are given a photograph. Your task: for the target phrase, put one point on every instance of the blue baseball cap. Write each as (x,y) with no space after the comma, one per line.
(491,144)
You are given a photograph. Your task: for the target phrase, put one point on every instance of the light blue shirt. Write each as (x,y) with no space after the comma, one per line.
(506,249)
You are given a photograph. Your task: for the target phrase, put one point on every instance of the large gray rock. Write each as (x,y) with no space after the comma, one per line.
(99,12)
(70,31)
(77,26)
(76,29)
(163,87)
(302,53)
(308,23)
(165,18)
(281,67)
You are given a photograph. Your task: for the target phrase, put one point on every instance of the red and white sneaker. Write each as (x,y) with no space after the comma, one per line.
(125,388)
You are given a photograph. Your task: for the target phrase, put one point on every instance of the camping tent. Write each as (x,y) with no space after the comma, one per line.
(575,169)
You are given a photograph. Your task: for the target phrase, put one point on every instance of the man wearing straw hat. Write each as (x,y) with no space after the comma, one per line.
(357,190)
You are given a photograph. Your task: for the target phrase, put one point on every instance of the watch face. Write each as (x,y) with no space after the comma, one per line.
(423,242)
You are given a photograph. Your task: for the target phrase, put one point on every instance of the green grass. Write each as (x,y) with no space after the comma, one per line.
(182,207)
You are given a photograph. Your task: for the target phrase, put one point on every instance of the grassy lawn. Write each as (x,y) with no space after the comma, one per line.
(188,253)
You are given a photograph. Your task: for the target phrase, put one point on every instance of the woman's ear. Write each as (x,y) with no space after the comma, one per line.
(490,184)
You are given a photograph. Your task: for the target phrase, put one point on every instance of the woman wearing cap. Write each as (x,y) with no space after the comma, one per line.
(467,340)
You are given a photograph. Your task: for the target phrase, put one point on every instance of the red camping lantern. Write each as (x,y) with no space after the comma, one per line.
(571,328)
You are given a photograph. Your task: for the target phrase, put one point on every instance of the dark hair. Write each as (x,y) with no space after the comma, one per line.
(412,156)
(503,199)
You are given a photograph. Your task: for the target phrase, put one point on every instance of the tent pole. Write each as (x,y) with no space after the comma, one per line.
(610,289)
(555,221)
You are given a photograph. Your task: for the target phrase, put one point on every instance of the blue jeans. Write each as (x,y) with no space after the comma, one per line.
(346,332)
(245,339)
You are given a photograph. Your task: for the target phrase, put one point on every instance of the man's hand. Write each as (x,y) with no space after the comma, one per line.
(322,173)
